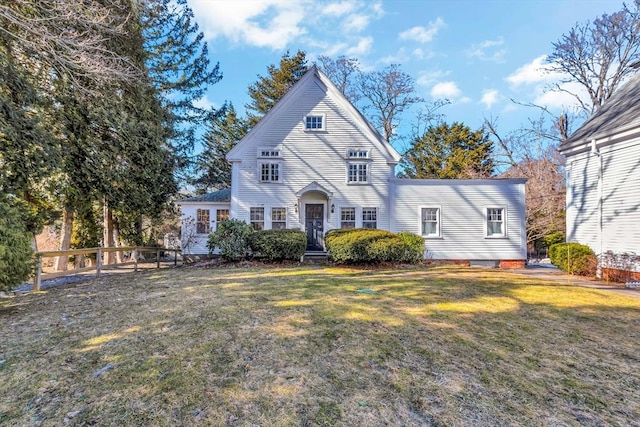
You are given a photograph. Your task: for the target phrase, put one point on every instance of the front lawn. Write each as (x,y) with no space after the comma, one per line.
(301,346)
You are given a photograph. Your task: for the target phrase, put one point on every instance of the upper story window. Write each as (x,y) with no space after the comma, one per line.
(357,173)
(430,222)
(369,218)
(347,217)
(357,154)
(315,122)
(269,171)
(203,224)
(496,222)
(269,153)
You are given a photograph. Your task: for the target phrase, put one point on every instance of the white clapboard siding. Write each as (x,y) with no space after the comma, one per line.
(310,156)
(188,224)
(583,214)
(463,206)
(621,198)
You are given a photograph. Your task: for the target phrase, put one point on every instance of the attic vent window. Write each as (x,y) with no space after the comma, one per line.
(266,152)
(358,154)
(314,123)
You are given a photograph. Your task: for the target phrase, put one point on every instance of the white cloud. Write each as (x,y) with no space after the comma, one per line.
(356,23)
(427,78)
(422,34)
(449,90)
(263,23)
(488,50)
(490,97)
(338,8)
(362,47)
(536,71)
(205,103)
(398,57)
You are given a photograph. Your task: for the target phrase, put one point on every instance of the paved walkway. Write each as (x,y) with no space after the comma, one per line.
(549,272)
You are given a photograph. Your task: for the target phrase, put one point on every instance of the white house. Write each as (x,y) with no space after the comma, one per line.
(603,180)
(315,163)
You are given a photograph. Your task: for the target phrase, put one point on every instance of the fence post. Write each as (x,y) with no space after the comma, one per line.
(175,257)
(38,278)
(98,262)
(135,259)
(158,258)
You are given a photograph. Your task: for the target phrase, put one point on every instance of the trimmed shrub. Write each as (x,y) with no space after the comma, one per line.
(232,238)
(278,245)
(574,258)
(415,247)
(365,245)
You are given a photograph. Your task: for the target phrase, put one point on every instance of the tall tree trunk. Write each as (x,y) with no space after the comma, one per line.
(107,240)
(65,239)
(116,238)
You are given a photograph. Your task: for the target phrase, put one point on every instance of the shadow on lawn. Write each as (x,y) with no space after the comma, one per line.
(300,346)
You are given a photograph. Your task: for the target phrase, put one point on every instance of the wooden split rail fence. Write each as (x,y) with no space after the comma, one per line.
(135,251)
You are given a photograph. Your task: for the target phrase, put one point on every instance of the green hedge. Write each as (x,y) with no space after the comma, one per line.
(16,255)
(365,245)
(573,258)
(278,245)
(232,238)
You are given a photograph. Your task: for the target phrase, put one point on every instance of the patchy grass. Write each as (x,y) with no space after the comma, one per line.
(299,346)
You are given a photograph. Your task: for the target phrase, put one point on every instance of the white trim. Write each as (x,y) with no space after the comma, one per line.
(367,166)
(271,175)
(504,221)
(323,126)
(438,234)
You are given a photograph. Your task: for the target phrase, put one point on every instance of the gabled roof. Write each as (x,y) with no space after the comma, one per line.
(220,196)
(315,76)
(618,114)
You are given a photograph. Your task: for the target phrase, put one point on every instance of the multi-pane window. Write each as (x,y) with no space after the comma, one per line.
(269,152)
(347,217)
(357,173)
(357,154)
(269,172)
(496,222)
(278,218)
(203,225)
(256,218)
(221,215)
(431,222)
(314,122)
(369,218)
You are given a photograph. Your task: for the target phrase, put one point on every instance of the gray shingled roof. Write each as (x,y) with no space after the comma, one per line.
(219,196)
(619,113)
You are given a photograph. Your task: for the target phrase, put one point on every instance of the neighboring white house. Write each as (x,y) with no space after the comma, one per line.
(603,180)
(314,163)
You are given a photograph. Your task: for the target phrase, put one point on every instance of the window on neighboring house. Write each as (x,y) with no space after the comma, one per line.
(431,222)
(357,173)
(203,224)
(496,224)
(369,218)
(314,122)
(269,172)
(278,218)
(221,215)
(347,217)
(256,218)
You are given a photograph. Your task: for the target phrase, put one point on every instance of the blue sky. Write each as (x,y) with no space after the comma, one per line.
(478,54)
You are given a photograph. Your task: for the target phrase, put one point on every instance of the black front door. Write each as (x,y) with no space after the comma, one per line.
(314,224)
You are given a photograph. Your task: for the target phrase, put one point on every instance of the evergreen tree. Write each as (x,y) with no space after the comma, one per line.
(268,90)
(178,65)
(223,133)
(449,151)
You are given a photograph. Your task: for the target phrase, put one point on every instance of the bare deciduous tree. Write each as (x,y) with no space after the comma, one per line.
(598,55)
(70,37)
(389,92)
(342,72)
